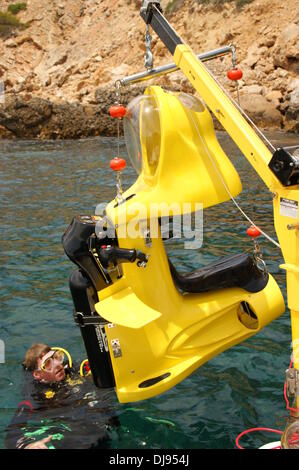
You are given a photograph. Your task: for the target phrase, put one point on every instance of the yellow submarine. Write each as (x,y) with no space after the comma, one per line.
(145,325)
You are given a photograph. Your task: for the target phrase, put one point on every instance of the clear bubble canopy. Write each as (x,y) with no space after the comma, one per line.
(142,129)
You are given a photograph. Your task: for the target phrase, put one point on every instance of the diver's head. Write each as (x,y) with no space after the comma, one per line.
(45,363)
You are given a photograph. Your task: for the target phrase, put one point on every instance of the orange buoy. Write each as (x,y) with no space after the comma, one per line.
(118,164)
(253,231)
(117,111)
(235,74)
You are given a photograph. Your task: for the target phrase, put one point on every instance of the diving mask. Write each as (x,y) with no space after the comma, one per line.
(55,354)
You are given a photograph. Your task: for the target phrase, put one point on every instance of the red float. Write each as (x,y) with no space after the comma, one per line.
(235,74)
(117,111)
(253,231)
(117,164)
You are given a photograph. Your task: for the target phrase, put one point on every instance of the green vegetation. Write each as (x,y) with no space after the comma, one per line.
(7,19)
(15,8)
(173,5)
(239,3)
(9,22)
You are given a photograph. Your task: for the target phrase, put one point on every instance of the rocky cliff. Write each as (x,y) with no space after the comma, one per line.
(58,72)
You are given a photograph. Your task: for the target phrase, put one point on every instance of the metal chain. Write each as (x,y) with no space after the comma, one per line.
(117,85)
(234,65)
(148,57)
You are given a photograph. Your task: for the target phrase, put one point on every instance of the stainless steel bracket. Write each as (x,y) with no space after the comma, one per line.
(88,320)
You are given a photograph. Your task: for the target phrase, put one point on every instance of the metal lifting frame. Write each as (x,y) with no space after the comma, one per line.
(165,69)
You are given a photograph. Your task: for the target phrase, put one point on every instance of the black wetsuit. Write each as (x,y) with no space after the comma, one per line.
(74,412)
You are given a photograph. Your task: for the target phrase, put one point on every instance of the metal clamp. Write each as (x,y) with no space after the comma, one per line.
(292,381)
(258,257)
(88,320)
(261,264)
(143,263)
(146,3)
(92,245)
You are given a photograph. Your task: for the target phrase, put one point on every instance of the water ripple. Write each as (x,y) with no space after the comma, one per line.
(43,184)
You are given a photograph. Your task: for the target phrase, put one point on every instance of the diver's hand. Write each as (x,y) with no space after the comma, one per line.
(39,444)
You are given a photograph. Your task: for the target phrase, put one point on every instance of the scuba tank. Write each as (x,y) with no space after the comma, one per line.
(79,243)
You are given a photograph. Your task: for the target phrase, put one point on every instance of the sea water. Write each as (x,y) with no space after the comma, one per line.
(42,185)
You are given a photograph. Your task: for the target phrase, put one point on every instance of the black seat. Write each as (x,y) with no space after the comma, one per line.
(232,271)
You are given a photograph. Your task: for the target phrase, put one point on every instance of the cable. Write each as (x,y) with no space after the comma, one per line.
(276,431)
(226,187)
(294,438)
(219,174)
(241,110)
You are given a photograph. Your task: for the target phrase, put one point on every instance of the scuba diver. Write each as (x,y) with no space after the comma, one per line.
(61,409)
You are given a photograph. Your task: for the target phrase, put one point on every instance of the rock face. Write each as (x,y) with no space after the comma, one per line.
(59,72)
(286,52)
(292,107)
(24,118)
(265,113)
(39,118)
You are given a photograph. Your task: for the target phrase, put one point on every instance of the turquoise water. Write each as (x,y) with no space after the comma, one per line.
(42,185)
